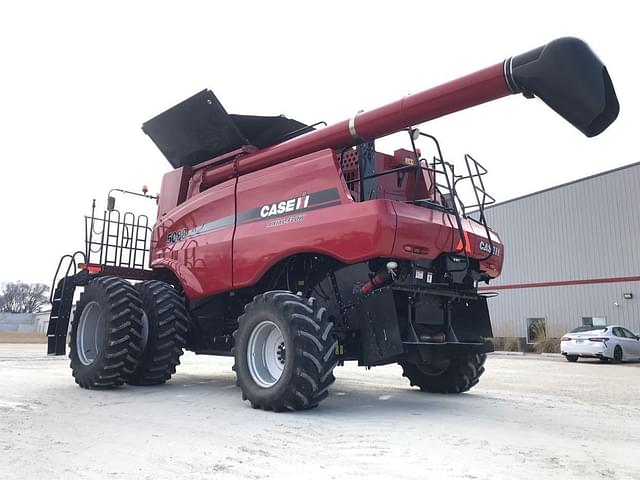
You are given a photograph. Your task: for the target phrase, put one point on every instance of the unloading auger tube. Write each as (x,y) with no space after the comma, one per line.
(565,74)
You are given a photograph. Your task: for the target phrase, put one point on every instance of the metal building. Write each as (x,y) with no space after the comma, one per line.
(572,256)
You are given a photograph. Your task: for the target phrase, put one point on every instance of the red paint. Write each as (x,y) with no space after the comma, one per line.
(239,254)
(174,189)
(203,264)
(474,89)
(562,283)
(350,232)
(380,279)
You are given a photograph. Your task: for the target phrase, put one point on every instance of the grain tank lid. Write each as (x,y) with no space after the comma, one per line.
(263,132)
(199,129)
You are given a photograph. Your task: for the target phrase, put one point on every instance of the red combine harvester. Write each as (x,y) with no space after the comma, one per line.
(295,249)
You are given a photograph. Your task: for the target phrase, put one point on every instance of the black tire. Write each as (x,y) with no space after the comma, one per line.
(166,318)
(571,358)
(105,352)
(617,354)
(307,352)
(459,376)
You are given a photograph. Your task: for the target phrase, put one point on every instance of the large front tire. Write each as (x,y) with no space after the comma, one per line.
(285,352)
(106,335)
(165,318)
(460,375)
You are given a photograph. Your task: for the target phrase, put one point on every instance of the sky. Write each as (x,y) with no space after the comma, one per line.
(78,79)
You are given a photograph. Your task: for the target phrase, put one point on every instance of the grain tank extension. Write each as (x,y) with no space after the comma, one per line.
(295,248)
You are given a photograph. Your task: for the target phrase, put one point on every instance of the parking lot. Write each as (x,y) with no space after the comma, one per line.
(530,417)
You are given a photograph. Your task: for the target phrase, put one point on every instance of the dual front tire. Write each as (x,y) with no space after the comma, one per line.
(121,333)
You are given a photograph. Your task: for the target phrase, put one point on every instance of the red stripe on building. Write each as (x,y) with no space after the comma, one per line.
(561,283)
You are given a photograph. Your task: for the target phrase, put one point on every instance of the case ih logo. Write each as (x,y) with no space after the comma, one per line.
(286,206)
(488,248)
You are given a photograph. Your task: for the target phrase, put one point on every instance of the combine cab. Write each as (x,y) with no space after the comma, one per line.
(295,248)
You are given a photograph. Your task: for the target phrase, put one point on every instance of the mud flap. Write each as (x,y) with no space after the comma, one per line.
(380,333)
(470,320)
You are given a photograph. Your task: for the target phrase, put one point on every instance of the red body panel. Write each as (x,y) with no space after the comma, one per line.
(174,190)
(430,232)
(349,231)
(224,238)
(202,262)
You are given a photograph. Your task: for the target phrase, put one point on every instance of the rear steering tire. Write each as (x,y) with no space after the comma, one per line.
(106,334)
(459,376)
(571,358)
(166,327)
(285,352)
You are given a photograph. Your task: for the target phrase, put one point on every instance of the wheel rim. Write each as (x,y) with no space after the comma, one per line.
(266,354)
(145,330)
(90,333)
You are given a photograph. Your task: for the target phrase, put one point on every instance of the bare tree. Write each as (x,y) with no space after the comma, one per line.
(21,297)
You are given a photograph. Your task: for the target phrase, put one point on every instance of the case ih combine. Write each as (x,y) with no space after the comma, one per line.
(295,249)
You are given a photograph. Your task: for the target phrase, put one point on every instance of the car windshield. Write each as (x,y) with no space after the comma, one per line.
(586,328)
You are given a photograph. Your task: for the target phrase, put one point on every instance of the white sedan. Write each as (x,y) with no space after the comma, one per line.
(612,342)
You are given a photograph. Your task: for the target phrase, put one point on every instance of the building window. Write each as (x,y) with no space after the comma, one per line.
(594,321)
(536,329)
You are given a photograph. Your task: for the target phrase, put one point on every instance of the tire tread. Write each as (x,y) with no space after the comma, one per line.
(314,350)
(122,304)
(460,376)
(168,325)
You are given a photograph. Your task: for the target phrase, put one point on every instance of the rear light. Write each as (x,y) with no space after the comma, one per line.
(598,339)
(90,267)
(565,339)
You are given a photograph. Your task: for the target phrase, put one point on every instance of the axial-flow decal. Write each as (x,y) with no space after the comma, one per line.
(305,202)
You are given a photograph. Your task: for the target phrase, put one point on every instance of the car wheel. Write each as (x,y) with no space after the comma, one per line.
(617,354)
(572,358)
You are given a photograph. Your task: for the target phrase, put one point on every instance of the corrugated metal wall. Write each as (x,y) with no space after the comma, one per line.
(587,229)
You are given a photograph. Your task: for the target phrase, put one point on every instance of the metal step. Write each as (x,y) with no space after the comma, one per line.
(61,306)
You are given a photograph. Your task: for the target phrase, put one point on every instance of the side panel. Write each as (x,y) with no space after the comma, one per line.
(273,223)
(432,232)
(174,189)
(194,241)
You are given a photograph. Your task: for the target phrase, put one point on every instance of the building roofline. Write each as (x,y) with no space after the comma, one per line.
(562,185)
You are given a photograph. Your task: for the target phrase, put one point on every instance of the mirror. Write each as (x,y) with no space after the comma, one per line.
(111,203)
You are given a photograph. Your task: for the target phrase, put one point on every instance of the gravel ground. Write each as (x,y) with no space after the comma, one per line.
(530,417)
(23,337)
